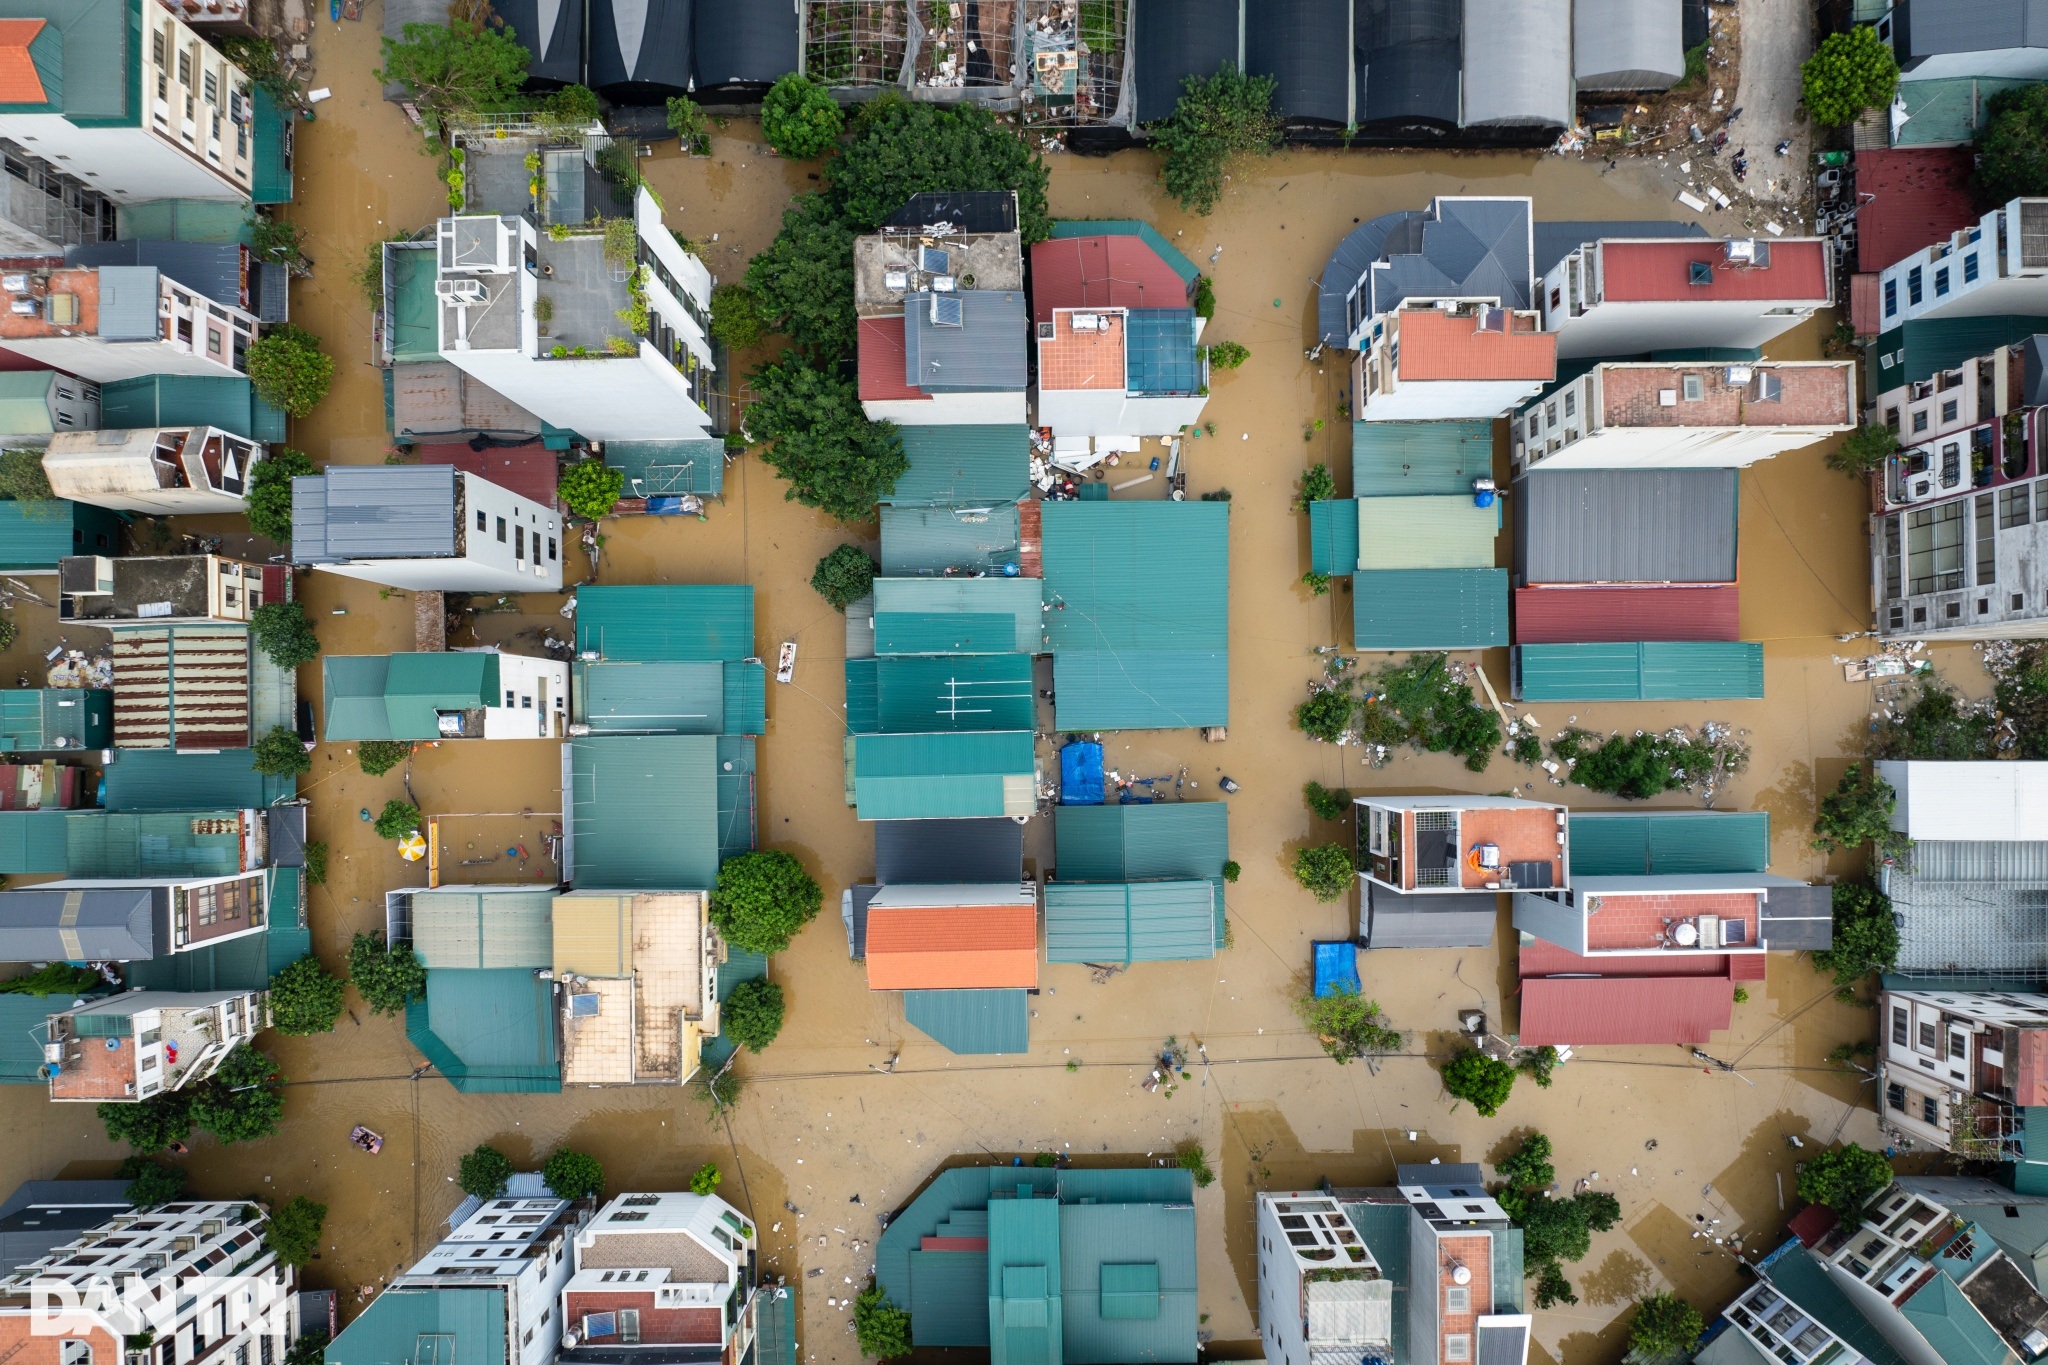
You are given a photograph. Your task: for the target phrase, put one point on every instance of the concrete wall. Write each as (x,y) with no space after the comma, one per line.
(1448,400)
(1564,925)
(535,697)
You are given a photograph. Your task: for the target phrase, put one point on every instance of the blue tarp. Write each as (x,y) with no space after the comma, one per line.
(1081,774)
(1337,968)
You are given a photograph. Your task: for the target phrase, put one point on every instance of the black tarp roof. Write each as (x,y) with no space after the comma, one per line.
(1410,61)
(966,210)
(641,50)
(745,43)
(552,31)
(1303,45)
(1174,39)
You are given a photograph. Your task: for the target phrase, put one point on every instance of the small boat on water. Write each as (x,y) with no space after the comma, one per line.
(365,1139)
(785,663)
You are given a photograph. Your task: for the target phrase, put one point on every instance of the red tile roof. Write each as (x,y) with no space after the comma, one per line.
(1579,1011)
(1647,272)
(528,470)
(19,82)
(1438,345)
(1746,966)
(1588,615)
(1864,316)
(1101,272)
(969,947)
(1910,198)
(884,370)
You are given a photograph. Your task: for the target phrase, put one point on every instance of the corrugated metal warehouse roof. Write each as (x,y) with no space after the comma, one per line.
(963,466)
(1333,536)
(483,929)
(1161,921)
(161,779)
(1666,842)
(944,776)
(182,687)
(1697,670)
(670,622)
(1627,44)
(743,43)
(1412,459)
(957,937)
(928,694)
(374,512)
(1429,609)
(1409,73)
(189,400)
(670,698)
(488,1032)
(1518,63)
(35,535)
(1457,920)
(932,540)
(958,615)
(1555,615)
(1626,526)
(934,851)
(1168,840)
(972,1023)
(644,812)
(33,841)
(1433,532)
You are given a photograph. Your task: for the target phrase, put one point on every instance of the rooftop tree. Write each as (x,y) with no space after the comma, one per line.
(763,899)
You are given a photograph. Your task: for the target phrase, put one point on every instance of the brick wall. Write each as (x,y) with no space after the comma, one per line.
(693,1325)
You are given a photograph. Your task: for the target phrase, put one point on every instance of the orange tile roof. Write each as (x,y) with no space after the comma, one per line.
(19,83)
(1438,345)
(1082,360)
(969,947)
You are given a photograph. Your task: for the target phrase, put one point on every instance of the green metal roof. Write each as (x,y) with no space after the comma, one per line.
(1154,689)
(485,929)
(1665,842)
(89,59)
(1948,113)
(669,467)
(746,697)
(1128,1282)
(1414,459)
(219,221)
(1919,350)
(1131,227)
(650,698)
(1794,1272)
(1691,670)
(971,1023)
(236,964)
(35,535)
(775,1326)
(414,324)
(149,844)
(1162,921)
(32,841)
(399,696)
(25,403)
(929,694)
(1333,536)
(425,1327)
(970,466)
(1445,531)
(31,719)
(944,776)
(289,937)
(1429,609)
(737,812)
(1953,1326)
(680,623)
(643,812)
(931,540)
(1384,1230)
(958,615)
(188,400)
(488,1032)
(948,1296)
(24,1027)
(1026,1321)
(1168,841)
(863,696)
(270,175)
(165,779)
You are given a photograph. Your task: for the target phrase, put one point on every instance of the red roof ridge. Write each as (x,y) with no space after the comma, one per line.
(20,83)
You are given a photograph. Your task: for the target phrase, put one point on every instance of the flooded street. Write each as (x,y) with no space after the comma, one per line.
(817,1127)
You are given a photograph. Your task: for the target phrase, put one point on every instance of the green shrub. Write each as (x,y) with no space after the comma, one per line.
(1347,1024)
(379,756)
(388,978)
(484,1172)
(1866,936)
(1231,872)
(572,104)
(305,998)
(1327,714)
(1318,484)
(706,1179)
(1192,1159)
(397,819)
(1859,812)
(150,1183)
(688,123)
(845,576)
(1863,451)
(1482,1081)
(1329,803)
(1539,1062)
(455,68)
(800,118)
(293,1231)
(590,488)
(316,862)
(280,753)
(752,1015)
(1227,355)
(23,479)
(1666,1327)
(2012,145)
(287,367)
(270,491)
(572,1175)
(736,317)
(1935,724)
(1418,702)
(1849,73)
(1216,122)
(1640,766)
(763,899)
(1845,1179)
(284,632)
(1318,584)
(1205,300)
(1325,870)
(54,978)
(882,1328)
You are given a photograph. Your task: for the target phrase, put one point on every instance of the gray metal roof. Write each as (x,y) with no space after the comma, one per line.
(1174,39)
(1970,860)
(1410,64)
(1799,918)
(640,43)
(82,924)
(287,835)
(1453,920)
(984,353)
(1625,526)
(210,268)
(1953,923)
(1457,248)
(1556,240)
(940,851)
(1628,44)
(128,299)
(1926,28)
(552,31)
(1518,62)
(374,512)
(855,914)
(42,1215)
(270,292)
(1304,45)
(1503,1343)
(745,42)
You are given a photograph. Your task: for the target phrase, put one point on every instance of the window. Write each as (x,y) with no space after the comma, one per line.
(1919,422)
(551,549)
(1913,285)
(211,86)
(1895,1097)
(1571,404)
(1550,414)
(1458,1347)
(1956,1046)
(482,523)
(1926,1037)
(519,542)
(185,66)
(212,342)
(1941,281)
(1891,419)
(629,1325)
(1891,297)
(630,1216)
(1899,1025)
(74,1353)
(1949,411)
(1970,268)
(1930,1111)
(2014,501)
(1457,1299)
(1695,388)
(1535,424)
(1987,542)
(501,530)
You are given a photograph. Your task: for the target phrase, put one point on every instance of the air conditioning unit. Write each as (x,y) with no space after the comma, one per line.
(460,291)
(1738,375)
(1742,250)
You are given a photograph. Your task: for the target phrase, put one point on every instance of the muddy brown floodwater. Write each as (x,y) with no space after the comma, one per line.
(821,1130)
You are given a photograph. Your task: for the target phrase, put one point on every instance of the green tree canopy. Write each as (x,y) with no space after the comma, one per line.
(293,1231)
(835,459)
(1665,1327)
(305,998)
(2012,146)
(1525,1171)
(243,1101)
(762,900)
(270,492)
(1216,121)
(1863,451)
(590,487)
(802,285)
(280,753)
(706,1179)
(287,367)
(1859,812)
(379,756)
(1327,714)
(752,1015)
(23,478)
(1328,803)
(387,978)
(1324,870)
(572,1175)
(456,68)
(1228,355)
(1483,1081)
(845,576)
(800,118)
(397,819)
(1935,724)
(484,1172)
(1347,1024)
(151,1125)
(736,317)
(901,147)
(1849,73)
(1844,1178)
(151,1183)
(1866,937)
(882,1328)
(283,631)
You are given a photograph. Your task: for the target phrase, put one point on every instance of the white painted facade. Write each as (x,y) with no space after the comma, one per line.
(603,397)
(1305,1322)
(1977,271)
(508,543)
(1937,1050)
(1970,567)
(68,404)
(1378,394)
(535,701)
(1989,801)
(173,1039)
(1576,426)
(1588,323)
(166,471)
(611,1268)
(1945,426)
(951,409)
(517,1243)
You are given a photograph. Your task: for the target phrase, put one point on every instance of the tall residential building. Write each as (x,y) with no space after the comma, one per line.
(1429,1272)
(165,471)
(1431,868)
(639,974)
(1629,296)
(1999,266)
(111,322)
(1119,349)
(425,527)
(661,1278)
(131,919)
(128,1048)
(129,98)
(494,1283)
(193,1279)
(1957,1067)
(1652,415)
(1968,422)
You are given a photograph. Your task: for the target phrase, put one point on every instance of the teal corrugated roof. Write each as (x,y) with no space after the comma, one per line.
(911,615)
(35,535)
(1384,1230)
(1128,1282)
(1131,227)
(683,623)
(236,964)
(738,813)
(942,776)
(863,696)
(149,844)
(1173,840)
(33,841)
(270,178)
(1697,670)
(970,466)
(1411,459)
(931,540)
(643,812)
(1026,1319)
(971,1023)
(488,1032)
(928,694)
(1161,921)
(2030,1176)
(353,687)
(948,1296)
(746,698)
(420,686)
(493,928)
(24,1028)
(183,400)
(1445,531)
(289,938)
(165,779)
(651,698)
(1948,113)
(468,1323)
(1152,689)
(1137,575)
(1429,609)
(1333,536)
(775,1325)
(666,468)
(1630,843)
(35,718)
(1953,1326)
(1794,1273)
